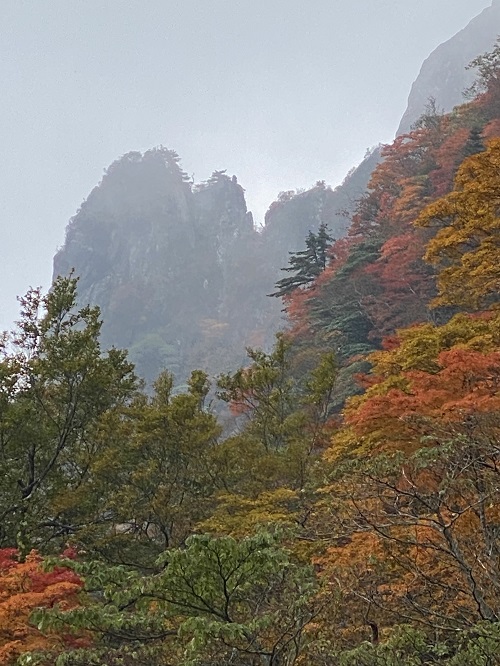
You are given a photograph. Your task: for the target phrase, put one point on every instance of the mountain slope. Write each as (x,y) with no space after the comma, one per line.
(178,269)
(443,76)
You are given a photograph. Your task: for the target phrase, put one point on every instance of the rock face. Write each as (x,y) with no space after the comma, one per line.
(442,78)
(443,75)
(178,270)
(293,215)
(152,252)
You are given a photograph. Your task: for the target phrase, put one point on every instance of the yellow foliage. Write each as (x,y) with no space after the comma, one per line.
(240,516)
(466,247)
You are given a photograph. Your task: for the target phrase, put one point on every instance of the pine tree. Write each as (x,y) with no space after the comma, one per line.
(306,264)
(474,143)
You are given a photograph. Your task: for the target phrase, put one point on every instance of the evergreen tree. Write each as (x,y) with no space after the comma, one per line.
(474,143)
(306,264)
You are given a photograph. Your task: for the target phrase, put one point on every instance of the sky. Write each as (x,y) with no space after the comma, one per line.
(281,93)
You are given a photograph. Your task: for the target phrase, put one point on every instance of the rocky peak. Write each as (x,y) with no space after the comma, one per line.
(222,213)
(167,263)
(443,76)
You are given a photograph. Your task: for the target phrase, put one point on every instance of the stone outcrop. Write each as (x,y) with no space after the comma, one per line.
(443,76)
(178,269)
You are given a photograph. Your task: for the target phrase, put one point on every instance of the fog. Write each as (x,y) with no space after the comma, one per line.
(280,92)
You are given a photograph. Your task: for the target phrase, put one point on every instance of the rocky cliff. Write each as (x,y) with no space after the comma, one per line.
(155,254)
(178,269)
(443,76)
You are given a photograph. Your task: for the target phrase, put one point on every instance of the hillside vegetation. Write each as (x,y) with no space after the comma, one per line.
(352,517)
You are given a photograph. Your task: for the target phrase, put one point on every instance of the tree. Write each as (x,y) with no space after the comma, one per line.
(25,586)
(336,306)
(426,372)
(426,526)
(407,645)
(280,408)
(215,601)
(431,118)
(264,392)
(306,264)
(154,475)
(474,143)
(466,247)
(488,72)
(264,472)
(55,386)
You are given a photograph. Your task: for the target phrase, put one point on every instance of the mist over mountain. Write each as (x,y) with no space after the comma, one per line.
(442,81)
(178,269)
(331,496)
(281,94)
(444,75)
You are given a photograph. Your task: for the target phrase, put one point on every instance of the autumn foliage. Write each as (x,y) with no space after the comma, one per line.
(348,511)
(465,248)
(24,587)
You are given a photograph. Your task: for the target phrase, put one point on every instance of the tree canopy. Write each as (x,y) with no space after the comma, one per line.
(344,509)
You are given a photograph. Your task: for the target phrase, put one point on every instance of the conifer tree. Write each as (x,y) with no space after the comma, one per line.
(474,143)
(306,264)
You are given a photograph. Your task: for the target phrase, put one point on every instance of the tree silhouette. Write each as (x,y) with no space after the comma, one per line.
(306,264)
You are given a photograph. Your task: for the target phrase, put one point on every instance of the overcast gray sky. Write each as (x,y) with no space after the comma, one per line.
(281,93)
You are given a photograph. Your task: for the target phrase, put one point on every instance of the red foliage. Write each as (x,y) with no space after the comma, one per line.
(467,383)
(449,155)
(492,129)
(25,586)
(404,284)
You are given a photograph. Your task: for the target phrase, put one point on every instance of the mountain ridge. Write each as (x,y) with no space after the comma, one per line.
(444,76)
(178,269)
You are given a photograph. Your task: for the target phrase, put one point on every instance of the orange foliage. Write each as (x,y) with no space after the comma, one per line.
(492,129)
(25,586)
(297,310)
(448,157)
(467,382)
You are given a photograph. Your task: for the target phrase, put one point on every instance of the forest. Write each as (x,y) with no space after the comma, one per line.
(348,513)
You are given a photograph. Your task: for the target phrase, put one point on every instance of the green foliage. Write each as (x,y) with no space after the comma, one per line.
(265,471)
(431,118)
(282,409)
(475,143)
(265,392)
(248,596)
(337,309)
(154,477)
(55,387)
(400,516)
(412,647)
(151,353)
(214,600)
(406,646)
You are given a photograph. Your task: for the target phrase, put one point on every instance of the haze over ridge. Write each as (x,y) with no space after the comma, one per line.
(281,95)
